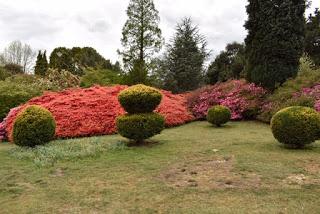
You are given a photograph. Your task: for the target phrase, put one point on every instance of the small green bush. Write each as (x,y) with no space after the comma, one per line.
(140,99)
(218,115)
(33,126)
(102,77)
(13,94)
(13,68)
(4,73)
(140,126)
(296,126)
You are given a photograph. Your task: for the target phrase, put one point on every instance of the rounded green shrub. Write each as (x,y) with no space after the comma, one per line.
(34,126)
(140,99)
(140,126)
(4,73)
(296,126)
(14,94)
(218,115)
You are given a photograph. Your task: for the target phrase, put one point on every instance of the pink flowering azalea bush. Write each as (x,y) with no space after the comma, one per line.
(307,97)
(300,91)
(242,98)
(3,133)
(4,124)
(317,105)
(313,92)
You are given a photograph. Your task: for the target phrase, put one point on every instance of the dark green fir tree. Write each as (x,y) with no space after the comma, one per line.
(275,40)
(41,67)
(184,59)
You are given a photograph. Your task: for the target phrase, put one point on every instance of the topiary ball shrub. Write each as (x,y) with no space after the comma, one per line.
(296,126)
(218,115)
(140,126)
(140,99)
(34,126)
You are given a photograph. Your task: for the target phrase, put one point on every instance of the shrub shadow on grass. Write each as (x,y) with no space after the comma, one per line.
(226,126)
(309,147)
(144,143)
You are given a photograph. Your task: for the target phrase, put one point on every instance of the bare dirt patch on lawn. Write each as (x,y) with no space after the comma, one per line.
(312,167)
(213,173)
(310,177)
(301,179)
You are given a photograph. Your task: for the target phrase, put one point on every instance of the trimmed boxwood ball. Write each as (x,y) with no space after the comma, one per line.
(34,126)
(140,99)
(296,126)
(218,115)
(140,126)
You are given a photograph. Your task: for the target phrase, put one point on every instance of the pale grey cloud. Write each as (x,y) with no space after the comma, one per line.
(99,26)
(46,24)
(25,25)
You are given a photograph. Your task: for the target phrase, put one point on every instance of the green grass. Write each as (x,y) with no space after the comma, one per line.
(196,168)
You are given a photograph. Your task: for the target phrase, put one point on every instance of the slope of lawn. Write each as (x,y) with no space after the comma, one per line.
(195,168)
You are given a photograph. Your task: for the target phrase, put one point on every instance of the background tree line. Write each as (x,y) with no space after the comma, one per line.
(278,34)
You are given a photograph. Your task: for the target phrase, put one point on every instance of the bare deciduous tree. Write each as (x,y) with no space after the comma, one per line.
(20,54)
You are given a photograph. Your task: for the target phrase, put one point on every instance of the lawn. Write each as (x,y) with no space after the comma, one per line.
(195,168)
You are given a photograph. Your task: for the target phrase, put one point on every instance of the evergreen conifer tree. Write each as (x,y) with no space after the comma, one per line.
(141,38)
(275,40)
(37,68)
(185,58)
(41,67)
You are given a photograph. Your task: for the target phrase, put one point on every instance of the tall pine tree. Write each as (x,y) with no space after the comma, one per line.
(275,40)
(45,63)
(37,68)
(41,67)
(141,38)
(185,57)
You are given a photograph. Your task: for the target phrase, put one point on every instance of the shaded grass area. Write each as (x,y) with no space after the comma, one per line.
(195,168)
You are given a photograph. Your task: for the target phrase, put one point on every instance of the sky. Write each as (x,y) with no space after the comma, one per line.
(46,24)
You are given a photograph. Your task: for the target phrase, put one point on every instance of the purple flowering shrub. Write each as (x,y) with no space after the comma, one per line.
(242,98)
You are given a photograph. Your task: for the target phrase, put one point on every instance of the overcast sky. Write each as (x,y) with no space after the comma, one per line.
(46,24)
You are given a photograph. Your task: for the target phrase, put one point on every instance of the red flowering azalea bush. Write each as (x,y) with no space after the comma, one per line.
(174,109)
(93,111)
(243,99)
